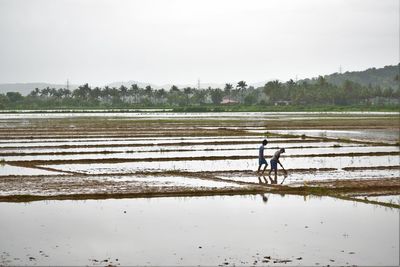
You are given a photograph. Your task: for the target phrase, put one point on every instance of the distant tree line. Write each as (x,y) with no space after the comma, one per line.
(317,92)
(385,77)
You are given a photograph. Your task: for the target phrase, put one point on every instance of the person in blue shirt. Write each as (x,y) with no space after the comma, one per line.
(261,158)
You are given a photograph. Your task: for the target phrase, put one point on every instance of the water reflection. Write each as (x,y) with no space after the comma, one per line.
(264,198)
(263,180)
(170,231)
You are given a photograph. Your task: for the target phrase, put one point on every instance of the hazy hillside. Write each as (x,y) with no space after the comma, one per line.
(384,77)
(26,88)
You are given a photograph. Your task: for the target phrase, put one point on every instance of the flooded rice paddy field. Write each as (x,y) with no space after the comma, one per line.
(55,151)
(256,230)
(124,165)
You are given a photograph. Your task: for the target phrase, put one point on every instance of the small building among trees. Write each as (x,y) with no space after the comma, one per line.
(228,100)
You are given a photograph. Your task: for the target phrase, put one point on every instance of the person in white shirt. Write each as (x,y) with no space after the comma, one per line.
(274,163)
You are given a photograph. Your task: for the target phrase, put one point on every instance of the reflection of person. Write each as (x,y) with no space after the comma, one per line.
(261,181)
(274,163)
(273,181)
(261,158)
(264,198)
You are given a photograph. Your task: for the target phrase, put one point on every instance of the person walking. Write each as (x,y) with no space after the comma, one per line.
(261,158)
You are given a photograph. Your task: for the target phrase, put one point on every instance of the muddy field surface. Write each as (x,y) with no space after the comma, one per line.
(83,156)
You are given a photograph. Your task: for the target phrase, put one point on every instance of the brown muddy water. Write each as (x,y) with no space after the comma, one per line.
(211,231)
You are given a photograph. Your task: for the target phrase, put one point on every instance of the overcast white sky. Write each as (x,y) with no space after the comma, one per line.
(178,41)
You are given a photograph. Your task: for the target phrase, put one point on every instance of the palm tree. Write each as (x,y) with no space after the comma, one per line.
(95,93)
(174,88)
(149,92)
(272,89)
(45,92)
(160,95)
(241,86)
(58,93)
(216,96)
(35,92)
(82,92)
(106,92)
(200,96)
(53,92)
(134,90)
(123,91)
(187,91)
(227,89)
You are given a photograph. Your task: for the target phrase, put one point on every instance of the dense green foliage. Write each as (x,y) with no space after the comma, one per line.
(299,96)
(386,77)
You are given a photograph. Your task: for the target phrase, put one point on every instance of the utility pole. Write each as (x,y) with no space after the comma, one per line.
(340,69)
(198,84)
(67,84)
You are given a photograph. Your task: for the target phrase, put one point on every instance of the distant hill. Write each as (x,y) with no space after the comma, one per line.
(26,88)
(385,77)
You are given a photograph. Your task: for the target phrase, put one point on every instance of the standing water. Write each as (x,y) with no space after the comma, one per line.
(230,230)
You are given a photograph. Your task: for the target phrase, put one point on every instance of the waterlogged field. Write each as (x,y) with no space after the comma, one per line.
(66,157)
(208,231)
(59,154)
